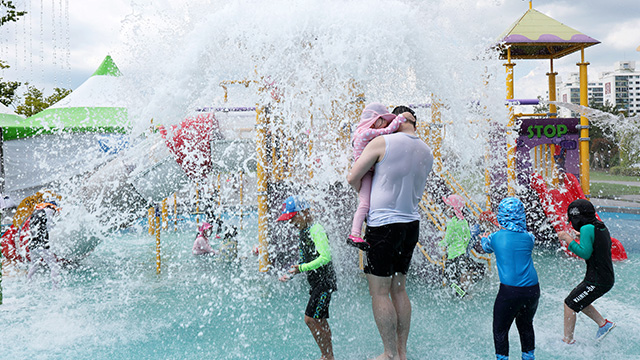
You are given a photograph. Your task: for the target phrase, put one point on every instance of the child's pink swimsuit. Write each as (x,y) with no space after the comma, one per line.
(201,246)
(360,141)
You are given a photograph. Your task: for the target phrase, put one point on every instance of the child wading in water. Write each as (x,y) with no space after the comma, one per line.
(374,121)
(201,245)
(595,248)
(315,261)
(519,288)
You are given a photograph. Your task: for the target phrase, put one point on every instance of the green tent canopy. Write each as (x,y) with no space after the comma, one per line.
(96,106)
(67,120)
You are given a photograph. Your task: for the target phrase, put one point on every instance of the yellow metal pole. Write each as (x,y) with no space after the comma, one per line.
(165,215)
(487,180)
(552,90)
(158,224)
(219,186)
(151,220)
(546,161)
(263,206)
(511,149)
(553,110)
(584,128)
(226,91)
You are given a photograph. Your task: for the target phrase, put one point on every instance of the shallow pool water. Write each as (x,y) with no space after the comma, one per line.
(114,306)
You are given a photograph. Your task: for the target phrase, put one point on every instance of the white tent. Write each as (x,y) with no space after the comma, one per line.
(68,138)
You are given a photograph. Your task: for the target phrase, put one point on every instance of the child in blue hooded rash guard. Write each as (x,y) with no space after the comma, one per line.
(519,289)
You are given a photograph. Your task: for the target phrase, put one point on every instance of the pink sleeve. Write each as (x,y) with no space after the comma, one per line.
(371,134)
(363,138)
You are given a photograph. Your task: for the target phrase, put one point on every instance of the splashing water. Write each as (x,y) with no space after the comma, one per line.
(317,56)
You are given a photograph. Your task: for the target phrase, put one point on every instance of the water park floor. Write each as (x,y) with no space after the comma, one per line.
(115,306)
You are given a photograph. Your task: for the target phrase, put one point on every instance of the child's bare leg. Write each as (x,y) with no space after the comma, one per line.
(592,313)
(322,334)
(364,196)
(569,324)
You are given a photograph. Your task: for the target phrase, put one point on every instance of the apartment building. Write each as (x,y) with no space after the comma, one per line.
(620,87)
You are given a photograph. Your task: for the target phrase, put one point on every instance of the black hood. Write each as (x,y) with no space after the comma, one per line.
(581,212)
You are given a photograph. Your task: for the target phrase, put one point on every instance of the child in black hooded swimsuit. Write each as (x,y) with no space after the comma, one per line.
(595,248)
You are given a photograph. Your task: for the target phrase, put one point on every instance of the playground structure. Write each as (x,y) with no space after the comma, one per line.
(550,153)
(240,159)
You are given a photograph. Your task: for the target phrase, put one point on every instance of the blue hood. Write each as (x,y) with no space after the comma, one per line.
(511,215)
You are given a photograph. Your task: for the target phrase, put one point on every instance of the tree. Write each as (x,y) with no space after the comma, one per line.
(10,12)
(58,94)
(8,88)
(541,108)
(34,100)
(606,152)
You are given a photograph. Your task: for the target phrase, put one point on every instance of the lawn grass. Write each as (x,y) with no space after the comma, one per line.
(601,175)
(612,191)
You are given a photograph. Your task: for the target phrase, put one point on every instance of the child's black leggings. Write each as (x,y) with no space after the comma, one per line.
(519,303)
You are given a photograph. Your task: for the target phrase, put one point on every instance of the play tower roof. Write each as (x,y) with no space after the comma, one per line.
(537,36)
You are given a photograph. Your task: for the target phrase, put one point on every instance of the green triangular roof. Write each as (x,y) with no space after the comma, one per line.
(538,36)
(108,67)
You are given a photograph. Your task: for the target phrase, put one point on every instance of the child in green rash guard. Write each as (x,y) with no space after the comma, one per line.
(315,261)
(455,242)
(595,248)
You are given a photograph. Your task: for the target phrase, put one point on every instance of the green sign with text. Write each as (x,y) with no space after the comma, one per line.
(549,131)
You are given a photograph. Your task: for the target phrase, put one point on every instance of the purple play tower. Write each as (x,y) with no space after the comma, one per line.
(561,132)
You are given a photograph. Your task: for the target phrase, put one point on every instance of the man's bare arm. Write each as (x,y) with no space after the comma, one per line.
(371,154)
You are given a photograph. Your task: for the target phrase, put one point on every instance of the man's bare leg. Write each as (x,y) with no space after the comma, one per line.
(402,305)
(322,335)
(384,314)
(592,313)
(569,324)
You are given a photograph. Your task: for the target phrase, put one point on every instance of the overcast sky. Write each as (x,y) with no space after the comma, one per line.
(60,43)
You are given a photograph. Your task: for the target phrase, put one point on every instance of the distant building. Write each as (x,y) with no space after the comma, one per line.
(620,87)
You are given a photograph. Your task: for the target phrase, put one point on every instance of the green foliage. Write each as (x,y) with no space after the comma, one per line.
(8,93)
(541,109)
(8,88)
(58,94)
(629,151)
(34,100)
(9,12)
(605,153)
